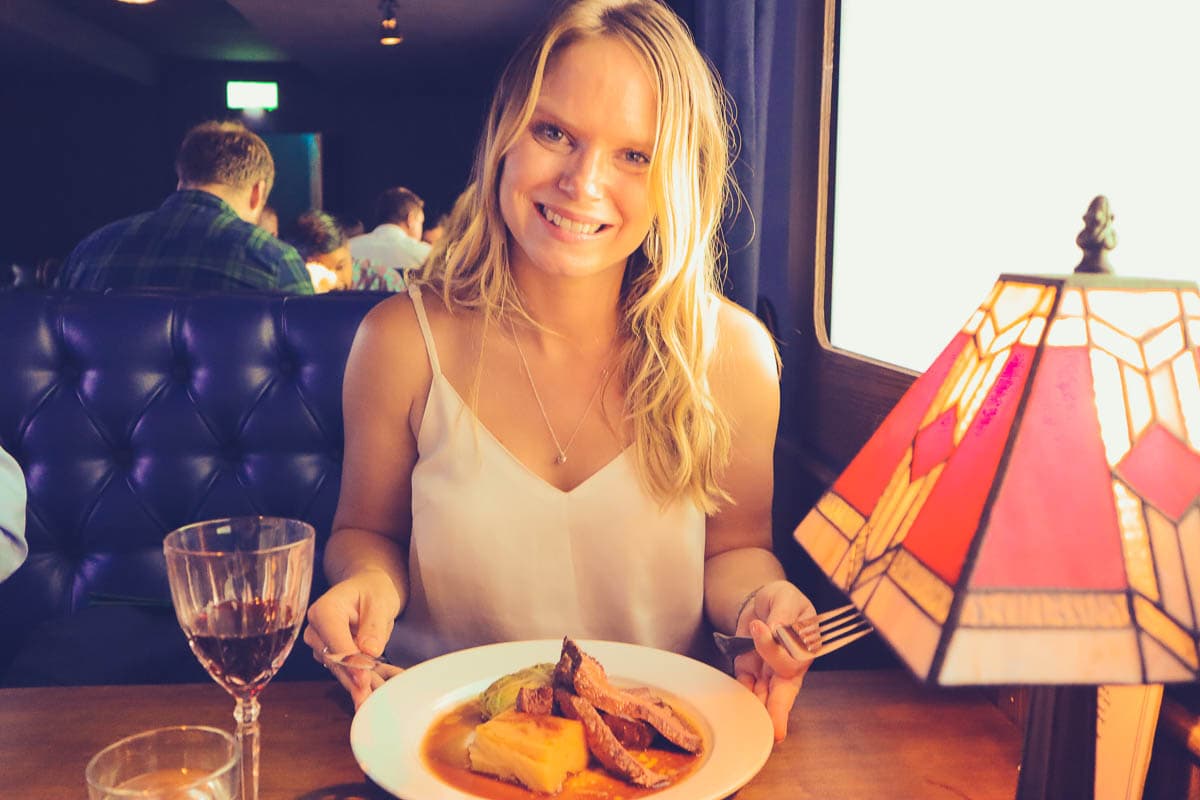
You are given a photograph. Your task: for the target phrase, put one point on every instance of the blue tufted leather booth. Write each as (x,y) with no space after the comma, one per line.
(134,413)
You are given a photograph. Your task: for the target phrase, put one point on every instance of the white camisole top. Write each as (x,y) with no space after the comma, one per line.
(497,554)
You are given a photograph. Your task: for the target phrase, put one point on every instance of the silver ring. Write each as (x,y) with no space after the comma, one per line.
(324,652)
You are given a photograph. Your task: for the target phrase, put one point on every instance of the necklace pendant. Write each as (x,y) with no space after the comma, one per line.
(560,459)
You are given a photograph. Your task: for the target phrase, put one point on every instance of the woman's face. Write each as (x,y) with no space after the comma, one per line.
(574,189)
(339,261)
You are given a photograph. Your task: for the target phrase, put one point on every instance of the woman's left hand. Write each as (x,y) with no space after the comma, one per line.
(769,671)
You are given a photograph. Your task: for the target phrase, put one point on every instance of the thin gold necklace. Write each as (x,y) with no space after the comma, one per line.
(562,449)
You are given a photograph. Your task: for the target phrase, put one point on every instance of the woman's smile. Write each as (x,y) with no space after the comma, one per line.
(570,226)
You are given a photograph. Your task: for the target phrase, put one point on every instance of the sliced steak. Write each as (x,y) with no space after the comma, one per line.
(564,670)
(631,733)
(591,683)
(536,700)
(603,743)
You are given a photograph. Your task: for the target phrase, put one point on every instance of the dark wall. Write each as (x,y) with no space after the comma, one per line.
(74,154)
(78,152)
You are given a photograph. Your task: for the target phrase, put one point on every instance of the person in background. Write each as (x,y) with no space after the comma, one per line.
(13,547)
(596,423)
(368,276)
(432,234)
(205,235)
(319,239)
(395,243)
(269,221)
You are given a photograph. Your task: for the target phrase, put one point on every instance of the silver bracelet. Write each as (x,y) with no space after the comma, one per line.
(747,600)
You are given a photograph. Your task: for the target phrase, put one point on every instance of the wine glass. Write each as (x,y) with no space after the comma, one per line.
(240,588)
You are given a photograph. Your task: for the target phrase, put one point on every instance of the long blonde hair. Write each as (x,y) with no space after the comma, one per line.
(669,296)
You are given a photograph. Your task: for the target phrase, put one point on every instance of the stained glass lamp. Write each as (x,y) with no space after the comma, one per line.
(1027,513)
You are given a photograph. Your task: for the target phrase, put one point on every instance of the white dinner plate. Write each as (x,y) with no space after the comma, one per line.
(388,729)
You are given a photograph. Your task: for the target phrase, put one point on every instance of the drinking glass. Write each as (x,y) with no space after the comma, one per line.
(240,588)
(186,762)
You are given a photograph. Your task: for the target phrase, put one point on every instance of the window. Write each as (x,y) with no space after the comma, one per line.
(970,138)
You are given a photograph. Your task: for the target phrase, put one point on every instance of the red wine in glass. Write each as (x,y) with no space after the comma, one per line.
(228,642)
(240,588)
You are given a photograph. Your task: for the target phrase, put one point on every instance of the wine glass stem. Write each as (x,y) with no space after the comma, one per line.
(246,714)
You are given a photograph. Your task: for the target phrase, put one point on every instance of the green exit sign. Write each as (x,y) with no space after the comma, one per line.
(252,94)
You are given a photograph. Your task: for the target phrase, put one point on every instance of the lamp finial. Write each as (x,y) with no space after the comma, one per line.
(1097,237)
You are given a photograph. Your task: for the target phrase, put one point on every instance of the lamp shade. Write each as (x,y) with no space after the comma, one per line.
(1027,513)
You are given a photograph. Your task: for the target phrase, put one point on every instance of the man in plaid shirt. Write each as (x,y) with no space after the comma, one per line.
(204,236)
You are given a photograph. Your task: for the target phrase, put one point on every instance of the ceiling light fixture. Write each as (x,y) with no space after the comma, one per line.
(136,2)
(389,33)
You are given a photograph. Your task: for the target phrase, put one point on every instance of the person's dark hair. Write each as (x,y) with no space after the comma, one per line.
(316,233)
(351,226)
(224,152)
(395,204)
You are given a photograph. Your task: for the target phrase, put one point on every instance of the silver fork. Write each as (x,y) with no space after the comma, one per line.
(808,638)
(356,660)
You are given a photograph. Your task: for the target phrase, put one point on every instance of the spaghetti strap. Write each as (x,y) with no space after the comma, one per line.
(414,292)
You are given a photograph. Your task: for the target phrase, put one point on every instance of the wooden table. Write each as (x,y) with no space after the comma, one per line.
(853,736)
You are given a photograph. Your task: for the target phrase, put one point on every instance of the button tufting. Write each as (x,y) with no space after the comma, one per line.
(212,421)
(123,458)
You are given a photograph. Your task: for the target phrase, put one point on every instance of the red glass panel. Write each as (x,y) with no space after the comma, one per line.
(868,474)
(934,443)
(1163,470)
(943,530)
(1053,527)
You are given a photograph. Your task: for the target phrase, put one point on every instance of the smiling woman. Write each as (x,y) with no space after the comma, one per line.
(578,275)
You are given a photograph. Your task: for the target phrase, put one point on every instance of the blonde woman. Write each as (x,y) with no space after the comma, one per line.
(565,430)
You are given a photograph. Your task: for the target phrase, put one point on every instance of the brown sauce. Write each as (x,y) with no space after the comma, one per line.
(444,751)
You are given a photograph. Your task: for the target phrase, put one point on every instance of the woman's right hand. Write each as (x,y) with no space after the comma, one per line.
(356,614)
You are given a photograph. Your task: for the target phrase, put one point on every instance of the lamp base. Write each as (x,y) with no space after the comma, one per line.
(1059,758)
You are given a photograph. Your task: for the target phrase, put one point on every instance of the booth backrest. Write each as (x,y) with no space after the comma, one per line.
(134,413)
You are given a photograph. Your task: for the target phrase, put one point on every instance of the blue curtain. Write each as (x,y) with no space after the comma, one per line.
(752,45)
